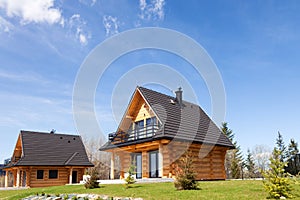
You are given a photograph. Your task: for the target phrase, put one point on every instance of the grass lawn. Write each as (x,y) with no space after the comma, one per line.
(234,189)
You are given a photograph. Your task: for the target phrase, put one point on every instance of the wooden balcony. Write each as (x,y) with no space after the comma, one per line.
(132,135)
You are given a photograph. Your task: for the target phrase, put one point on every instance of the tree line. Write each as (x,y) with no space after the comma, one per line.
(257,161)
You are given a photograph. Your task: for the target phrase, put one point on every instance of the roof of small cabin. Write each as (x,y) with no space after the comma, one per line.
(45,149)
(182,122)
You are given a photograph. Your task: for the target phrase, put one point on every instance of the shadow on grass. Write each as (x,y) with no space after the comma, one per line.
(133,186)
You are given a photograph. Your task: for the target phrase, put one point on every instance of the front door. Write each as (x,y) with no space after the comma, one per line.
(153,164)
(74,176)
(137,162)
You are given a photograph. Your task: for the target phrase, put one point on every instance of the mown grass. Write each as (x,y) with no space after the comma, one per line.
(231,190)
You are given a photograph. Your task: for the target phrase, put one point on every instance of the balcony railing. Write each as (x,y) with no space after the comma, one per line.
(131,135)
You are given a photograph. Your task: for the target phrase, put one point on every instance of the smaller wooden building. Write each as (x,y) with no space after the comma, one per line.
(47,159)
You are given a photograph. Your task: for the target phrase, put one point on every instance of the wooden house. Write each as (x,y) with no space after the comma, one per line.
(157,129)
(47,159)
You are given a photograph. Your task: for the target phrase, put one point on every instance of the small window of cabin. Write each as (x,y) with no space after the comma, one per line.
(151,121)
(40,174)
(53,174)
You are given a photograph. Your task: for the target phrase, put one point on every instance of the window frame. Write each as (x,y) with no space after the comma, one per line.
(38,174)
(53,170)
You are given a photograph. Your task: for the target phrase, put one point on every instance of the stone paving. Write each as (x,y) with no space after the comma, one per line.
(77,197)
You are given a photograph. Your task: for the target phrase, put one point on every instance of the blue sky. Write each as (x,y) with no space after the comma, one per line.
(254,44)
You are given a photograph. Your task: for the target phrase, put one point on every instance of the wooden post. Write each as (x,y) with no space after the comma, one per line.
(70,175)
(145,163)
(121,156)
(6,179)
(112,166)
(15,177)
(28,176)
(160,160)
(18,178)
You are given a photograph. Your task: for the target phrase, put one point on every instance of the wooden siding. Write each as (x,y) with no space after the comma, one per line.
(208,160)
(28,176)
(144,113)
(63,177)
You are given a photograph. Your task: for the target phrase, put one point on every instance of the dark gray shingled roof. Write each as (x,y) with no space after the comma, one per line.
(183,122)
(44,149)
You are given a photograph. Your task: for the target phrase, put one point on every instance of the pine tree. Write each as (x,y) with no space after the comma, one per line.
(229,154)
(185,176)
(130,177)
(276,182)
(226,131)
(233,158)
(281,147)
(250,165)
(293,150)
(236,162)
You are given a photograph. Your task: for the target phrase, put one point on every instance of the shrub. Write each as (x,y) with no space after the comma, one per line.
(130,178)
(91,182)
(277,183)
(185,177)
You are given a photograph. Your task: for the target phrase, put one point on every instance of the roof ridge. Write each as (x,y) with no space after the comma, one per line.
(48,133)
(157,92)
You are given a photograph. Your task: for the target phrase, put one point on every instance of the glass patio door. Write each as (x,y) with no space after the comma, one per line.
(153,164)
(137,162)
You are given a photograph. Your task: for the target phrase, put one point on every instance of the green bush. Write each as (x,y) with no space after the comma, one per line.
(130,178)
(277,182)
(91,182)
(185,177)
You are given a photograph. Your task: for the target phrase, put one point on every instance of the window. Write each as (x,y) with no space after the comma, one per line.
(53,174)
(139,124)
(151,121)
(153,164)
(136,160)
(40,174)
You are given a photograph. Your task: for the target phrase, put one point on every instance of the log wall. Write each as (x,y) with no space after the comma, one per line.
(208,160)
(63,177)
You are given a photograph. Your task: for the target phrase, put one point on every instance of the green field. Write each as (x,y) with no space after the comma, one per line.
(234,189)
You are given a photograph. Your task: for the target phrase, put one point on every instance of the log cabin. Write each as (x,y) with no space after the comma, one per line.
(47,159)
(157,130)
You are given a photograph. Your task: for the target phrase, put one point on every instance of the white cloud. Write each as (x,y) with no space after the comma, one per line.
(153,10)
(111,24)
(32,11)
(5,26)
(88,2)
(82,38)
(77,24)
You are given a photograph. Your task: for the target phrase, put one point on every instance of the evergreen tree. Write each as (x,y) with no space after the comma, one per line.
(226,131)
(281,147)
(250,165)
(293,160)
(233,158)
(130,177)
(276,182)
(236,162)
(292,149)
(229,154)
(185,176)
